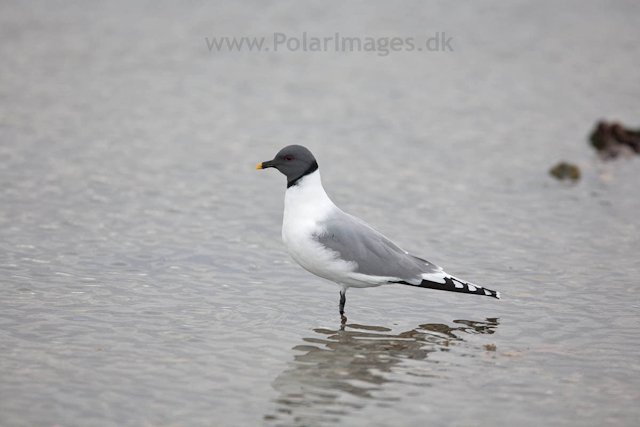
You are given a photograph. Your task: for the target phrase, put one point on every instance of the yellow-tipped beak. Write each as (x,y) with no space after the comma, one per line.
(259,166)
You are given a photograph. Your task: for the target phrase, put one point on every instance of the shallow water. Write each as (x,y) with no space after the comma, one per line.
(143,277)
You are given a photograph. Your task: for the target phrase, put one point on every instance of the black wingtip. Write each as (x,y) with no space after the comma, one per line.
(453,284)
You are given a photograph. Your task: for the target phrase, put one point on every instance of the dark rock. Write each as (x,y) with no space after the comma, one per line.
(564,170)
(613,139)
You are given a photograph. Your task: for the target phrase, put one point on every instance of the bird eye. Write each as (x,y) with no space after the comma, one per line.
(288,157)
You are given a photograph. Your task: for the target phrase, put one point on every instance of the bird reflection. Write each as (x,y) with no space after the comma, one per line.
(340,371)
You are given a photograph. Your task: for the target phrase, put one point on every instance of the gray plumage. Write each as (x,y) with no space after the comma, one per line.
(375,255)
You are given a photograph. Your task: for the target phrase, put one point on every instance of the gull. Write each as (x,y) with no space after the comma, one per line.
(341,248)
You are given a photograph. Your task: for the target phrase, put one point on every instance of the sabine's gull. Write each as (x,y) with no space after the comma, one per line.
(344,249)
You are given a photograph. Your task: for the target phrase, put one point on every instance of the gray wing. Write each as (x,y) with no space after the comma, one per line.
(375,255)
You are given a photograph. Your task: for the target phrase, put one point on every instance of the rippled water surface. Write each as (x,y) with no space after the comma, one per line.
(143,281)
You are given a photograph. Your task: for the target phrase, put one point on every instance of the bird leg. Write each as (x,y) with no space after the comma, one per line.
(343,300)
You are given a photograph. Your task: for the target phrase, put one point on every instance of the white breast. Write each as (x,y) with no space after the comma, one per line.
(306,206)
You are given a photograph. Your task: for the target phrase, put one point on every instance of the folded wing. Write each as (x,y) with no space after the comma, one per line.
(377,256)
